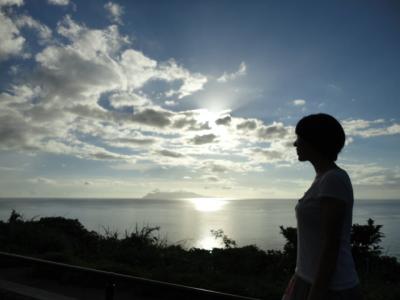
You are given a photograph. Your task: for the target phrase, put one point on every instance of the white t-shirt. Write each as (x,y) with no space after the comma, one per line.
(333,183)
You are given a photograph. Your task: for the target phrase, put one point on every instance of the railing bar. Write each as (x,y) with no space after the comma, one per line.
(122,276)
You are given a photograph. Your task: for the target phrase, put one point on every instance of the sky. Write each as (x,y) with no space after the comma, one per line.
(120,99)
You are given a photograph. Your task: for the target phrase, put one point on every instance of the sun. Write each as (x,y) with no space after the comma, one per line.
(209,116)
(205,115)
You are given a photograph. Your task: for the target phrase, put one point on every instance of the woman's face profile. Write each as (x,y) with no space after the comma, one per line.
(304,150)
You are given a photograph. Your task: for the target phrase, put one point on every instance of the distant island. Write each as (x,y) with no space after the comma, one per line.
(157,194)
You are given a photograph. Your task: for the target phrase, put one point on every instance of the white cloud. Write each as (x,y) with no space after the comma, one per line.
(27,21)
(86,98)
(58,2)
(128,99)
(231,76)
(372,174)
(368,129)
(42,180)
(191,82)
(299,102)
(91,43)
(18,94)
(11,2)
(83,150)
(222,167)
(115,11)
(95,53)
(170,103)
(11,41)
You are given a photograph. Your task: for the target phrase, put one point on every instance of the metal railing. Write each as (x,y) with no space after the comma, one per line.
(110,281)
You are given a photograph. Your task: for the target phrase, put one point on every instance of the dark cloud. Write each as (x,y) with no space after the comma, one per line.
(288,144)
(223,121)
(249,125)
(135,141)
(212,178)
(152,117)
(190,123)
(204,139)
(169,153)
(270,155)
(200,126)
(106,155)
(43,114)
(95,112)
(274,131)
(216,168)
(16,133)
(184,122)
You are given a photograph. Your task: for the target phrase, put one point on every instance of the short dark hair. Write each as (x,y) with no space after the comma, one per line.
(324,133)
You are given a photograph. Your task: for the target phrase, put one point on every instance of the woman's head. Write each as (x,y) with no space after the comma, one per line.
(324,133)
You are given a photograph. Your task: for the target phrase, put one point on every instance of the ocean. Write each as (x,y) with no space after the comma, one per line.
(189,222)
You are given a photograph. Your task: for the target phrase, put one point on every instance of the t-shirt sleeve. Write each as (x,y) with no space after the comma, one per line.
(335,186)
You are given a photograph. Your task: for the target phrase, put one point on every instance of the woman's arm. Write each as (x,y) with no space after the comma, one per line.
(332,219)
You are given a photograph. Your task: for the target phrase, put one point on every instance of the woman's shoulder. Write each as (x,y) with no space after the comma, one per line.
(336,183)
(336,176)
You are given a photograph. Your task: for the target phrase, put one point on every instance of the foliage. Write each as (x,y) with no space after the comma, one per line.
(244,270)
(219,234)
(290,235)
(365,239)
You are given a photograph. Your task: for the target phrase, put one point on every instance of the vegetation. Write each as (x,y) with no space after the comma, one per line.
(244,270)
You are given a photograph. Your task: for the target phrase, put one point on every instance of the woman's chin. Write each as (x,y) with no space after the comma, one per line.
(301,158)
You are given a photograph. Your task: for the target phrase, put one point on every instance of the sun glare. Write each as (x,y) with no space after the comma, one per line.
(206,115)
(210,117)
(208,243)
(208,204)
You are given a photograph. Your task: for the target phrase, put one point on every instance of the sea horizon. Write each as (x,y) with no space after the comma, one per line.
(253,221)
(170,199)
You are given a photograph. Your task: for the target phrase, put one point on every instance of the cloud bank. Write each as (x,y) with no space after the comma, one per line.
(85,96)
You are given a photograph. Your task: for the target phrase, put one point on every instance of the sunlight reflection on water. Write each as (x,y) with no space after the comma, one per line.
(208,243)
(208,204)
(247,222)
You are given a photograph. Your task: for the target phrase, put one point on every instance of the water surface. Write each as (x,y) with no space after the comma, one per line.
(189,222)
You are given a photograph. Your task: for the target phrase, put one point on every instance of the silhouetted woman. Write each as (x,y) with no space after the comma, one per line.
(325,269)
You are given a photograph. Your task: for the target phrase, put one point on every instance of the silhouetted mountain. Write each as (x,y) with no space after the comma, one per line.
(157,194)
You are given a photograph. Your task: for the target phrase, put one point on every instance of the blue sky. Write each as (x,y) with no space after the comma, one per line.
(118,99)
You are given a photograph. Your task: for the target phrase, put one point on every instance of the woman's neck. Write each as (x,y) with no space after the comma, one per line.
(323,165)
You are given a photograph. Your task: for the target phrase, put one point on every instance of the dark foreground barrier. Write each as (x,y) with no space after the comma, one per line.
(110,281)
